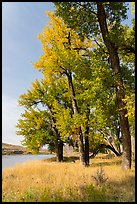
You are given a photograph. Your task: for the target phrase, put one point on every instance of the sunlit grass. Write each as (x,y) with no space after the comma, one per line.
(48,181)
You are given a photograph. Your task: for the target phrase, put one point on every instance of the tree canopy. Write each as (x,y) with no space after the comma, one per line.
(79,96)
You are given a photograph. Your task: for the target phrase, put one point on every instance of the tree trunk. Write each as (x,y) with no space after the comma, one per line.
(75,111)
(59,150)
(59,142)
(114,60)
(119,140)
(87,139)
(87,150)
(81,147)
(59,146)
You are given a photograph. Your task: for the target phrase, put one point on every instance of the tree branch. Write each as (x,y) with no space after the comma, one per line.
(127,48)
(101,47)
(103,146)
(86,9)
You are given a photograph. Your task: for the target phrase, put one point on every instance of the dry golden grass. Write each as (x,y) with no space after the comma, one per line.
(67,181)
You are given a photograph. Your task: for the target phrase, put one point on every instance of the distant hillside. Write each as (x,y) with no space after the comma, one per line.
(8,149)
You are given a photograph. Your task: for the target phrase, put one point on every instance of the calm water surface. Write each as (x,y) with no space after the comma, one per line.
(11,160)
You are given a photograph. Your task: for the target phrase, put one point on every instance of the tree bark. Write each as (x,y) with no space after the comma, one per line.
(115,64)
(119,139)
(75,111)
(59,150)
(87,139)
(81,147)
(59,142)
(59,146)
(87,150)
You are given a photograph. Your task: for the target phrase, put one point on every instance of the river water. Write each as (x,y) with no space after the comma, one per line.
(11,160)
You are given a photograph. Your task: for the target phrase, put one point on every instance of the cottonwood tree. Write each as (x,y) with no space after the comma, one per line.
(41,95)
(103,19)
(85,75)
(62,55)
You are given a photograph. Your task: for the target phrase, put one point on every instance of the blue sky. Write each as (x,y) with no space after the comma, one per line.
(21,23)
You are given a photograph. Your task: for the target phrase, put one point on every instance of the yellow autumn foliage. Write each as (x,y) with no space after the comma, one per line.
(61,46)
(130,105)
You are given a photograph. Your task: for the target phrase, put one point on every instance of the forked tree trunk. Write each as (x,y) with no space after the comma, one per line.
(114,60)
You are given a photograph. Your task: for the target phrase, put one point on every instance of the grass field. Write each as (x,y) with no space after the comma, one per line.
(49,181)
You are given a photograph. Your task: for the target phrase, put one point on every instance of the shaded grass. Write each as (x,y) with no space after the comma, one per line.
(49,181)
(71,159)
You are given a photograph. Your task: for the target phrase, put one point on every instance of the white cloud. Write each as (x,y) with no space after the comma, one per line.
(10,115)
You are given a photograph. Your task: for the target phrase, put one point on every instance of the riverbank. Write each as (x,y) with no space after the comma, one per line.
(49,181)
(10,149)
